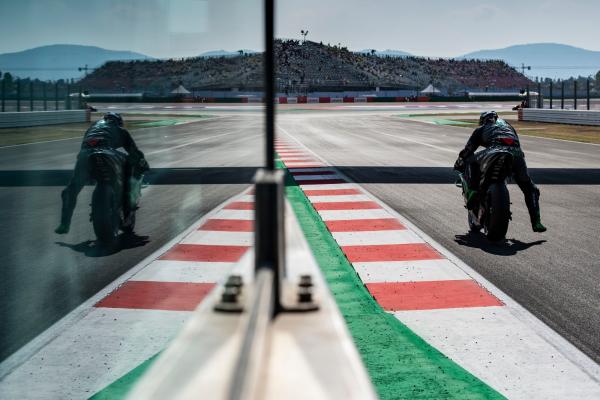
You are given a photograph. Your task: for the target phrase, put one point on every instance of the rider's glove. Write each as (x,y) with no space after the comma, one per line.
(459,165)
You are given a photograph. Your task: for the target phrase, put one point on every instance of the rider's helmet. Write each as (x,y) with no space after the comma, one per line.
(115,117)
(488,116)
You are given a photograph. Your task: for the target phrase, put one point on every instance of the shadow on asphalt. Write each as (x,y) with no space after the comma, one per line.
(242,175)
(92,248)
(156,176)
(508,247)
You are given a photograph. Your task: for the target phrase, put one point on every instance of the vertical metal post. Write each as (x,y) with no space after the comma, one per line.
(270,84)
(588,93)
(68,100)
(528,98)
(575,94)
(551,94)
(30,95)
(45,95)
(3,95)
(268,199)
(562,95)
(540,103)
(56,96)
(18,95)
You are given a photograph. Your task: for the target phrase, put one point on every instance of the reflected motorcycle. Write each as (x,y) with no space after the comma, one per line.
(115,198)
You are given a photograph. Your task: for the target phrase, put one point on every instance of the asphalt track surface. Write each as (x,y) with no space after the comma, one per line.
(195,167)
(406,164)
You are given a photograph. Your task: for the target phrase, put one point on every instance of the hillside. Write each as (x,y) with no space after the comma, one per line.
(546,59)
(310,66)
(60,61)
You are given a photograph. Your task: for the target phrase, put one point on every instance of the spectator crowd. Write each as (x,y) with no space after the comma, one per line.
(309,65)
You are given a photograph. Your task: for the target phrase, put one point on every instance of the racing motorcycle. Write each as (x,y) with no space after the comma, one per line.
(490,210)
(109,216)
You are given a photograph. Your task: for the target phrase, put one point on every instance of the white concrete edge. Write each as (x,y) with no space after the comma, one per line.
(562,345)
(52,332)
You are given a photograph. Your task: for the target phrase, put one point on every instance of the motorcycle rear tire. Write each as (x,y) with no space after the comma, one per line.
(105,214)
(498,216)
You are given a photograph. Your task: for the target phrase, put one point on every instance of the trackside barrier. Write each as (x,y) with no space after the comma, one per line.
(348,100)
(313,100)
(360,99)
(38,118)
(337,100)
(572,117)
(324,99)
(292,100)
(302,99)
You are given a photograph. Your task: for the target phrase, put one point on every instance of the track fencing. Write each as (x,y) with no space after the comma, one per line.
(571,117)
(38,118)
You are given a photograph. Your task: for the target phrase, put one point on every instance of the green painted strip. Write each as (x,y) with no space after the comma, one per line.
(162,122)
(401,364)
(119,388)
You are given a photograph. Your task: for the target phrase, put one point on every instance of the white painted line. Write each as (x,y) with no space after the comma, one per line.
(334,215)
(301,178)
(234,214)
(409,271)
(518,363)
(220,238)
(376,237)
(336,199)
(330,186)
(184,271)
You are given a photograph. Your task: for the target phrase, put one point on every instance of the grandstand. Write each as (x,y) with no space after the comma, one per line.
(306,66)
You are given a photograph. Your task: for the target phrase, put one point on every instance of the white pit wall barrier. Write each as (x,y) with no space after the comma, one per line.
(39,118)
(573,117)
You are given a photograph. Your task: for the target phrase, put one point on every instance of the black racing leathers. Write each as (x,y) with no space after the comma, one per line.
(493,136)
(106,135)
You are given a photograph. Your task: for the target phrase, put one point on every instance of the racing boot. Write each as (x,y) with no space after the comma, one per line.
(68,206)
(532,199)
(537,226)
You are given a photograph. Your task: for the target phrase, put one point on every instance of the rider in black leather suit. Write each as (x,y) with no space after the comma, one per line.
(108,133)
(491,134)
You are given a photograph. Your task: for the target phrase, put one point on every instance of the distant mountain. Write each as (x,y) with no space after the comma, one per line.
(388,52)
(551,60)
(225,53)
(60,61)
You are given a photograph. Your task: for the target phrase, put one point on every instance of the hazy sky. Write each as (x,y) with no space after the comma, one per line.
(176,28)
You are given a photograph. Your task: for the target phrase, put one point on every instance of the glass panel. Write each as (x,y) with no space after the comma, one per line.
(186,78)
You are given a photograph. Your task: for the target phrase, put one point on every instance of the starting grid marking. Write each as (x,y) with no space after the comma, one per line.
(138,318)
(433,295)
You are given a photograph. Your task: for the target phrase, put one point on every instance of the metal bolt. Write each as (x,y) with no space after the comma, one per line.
(305,295)
(230,295)
(305,281)
(234,281)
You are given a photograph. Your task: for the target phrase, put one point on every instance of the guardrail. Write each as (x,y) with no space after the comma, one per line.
(572,117)
(38,118)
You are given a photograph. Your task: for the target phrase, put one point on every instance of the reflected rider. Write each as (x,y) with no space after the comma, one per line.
(494,132)
(107,133)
